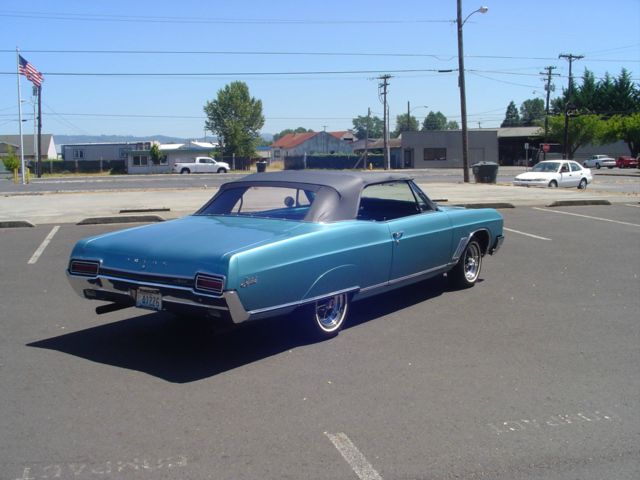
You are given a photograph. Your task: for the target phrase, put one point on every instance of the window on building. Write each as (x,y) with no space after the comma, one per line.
(430,154)
(78,153)
(124,153)
(140,160)
(276,154)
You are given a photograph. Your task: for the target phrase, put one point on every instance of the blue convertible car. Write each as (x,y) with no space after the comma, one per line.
(272,243)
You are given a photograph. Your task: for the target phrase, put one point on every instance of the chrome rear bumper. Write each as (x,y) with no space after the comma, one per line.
(124,291)
(497,244)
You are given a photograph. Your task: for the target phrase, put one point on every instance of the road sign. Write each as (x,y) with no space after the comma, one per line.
(545,147)
(526,146)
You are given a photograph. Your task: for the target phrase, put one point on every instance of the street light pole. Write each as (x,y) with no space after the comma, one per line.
(463,94)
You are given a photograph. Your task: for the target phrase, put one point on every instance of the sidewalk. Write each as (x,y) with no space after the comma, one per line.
(57,208)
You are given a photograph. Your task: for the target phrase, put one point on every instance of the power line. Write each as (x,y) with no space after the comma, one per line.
(203,20)
(439,57)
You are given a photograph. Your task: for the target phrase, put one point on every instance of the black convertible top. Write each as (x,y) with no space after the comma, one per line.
(328,207)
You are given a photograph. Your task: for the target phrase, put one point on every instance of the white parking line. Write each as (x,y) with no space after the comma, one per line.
(587,216)
(36,255)
(526,234)
(353,456)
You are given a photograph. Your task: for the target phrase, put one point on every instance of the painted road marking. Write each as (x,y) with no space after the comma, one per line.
(588,216)
(552,421)
(104,469)
(353,456)
(631,205)
(36,255)
(526,234)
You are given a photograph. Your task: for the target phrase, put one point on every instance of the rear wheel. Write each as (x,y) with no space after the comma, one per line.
(467,270)
(327,316)
(185,170)
(553,184)
(583,184)
(598,166)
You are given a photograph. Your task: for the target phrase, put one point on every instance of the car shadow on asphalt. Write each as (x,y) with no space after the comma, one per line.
(183,350)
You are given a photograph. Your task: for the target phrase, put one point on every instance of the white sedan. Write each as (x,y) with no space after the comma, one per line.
(599,161)
(555,173)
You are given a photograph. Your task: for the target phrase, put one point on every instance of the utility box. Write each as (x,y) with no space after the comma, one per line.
(485,172)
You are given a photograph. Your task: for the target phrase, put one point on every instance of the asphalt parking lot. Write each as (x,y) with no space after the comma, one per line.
(532,374)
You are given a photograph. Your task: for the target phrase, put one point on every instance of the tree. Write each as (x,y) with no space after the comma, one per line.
(405,123)
(11,161)
(434,121)
(626,128)
(511,118)
(452,125)
(609,96)
(583,129)
(531,112)
(371,126)
(286,131)
(236,118)
(155,154)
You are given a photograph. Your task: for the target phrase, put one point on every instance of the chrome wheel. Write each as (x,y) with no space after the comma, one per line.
(330,313)
(472,261)
(583,184)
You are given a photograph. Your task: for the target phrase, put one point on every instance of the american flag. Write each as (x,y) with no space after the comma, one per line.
(29,71)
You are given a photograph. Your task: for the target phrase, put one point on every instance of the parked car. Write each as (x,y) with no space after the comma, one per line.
(626,162)
(273,243)
(599,161)
(201,165)
(555,173)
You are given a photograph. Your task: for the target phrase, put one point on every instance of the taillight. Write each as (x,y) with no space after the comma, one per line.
(209,283)
(83,267)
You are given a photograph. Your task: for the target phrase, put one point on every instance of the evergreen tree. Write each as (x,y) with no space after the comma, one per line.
(511,118)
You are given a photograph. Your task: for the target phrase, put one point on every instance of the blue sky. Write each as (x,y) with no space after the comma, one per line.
(388,37)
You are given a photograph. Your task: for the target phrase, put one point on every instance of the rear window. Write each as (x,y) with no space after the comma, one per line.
(267,202)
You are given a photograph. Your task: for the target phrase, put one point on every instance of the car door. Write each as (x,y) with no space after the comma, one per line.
(419,232)
(565,175)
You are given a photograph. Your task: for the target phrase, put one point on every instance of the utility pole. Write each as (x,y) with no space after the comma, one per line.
(383,86)
(463,97)
(571,57)
(39,163)
(548,88)
(366,138)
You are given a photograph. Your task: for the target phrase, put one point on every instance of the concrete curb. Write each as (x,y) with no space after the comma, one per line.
(16,224)
(126,219)
(145,210)
(578,203)
(486,205)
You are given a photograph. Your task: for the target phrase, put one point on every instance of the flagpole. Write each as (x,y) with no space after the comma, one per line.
(20,118)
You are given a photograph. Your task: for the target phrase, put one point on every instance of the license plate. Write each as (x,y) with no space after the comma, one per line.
(149,298)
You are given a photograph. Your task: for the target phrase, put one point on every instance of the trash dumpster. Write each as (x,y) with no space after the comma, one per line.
(261,166)
(485,172)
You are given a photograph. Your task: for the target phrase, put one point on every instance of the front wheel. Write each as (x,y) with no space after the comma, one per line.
(328,316)
(222,170)
(583,184)
(553,184)
(467,270)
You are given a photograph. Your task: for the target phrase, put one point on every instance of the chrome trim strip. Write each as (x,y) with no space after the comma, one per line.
(406,277)
(461,246)
(301,302)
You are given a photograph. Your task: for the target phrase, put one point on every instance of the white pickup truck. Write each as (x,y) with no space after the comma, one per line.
(201,165)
